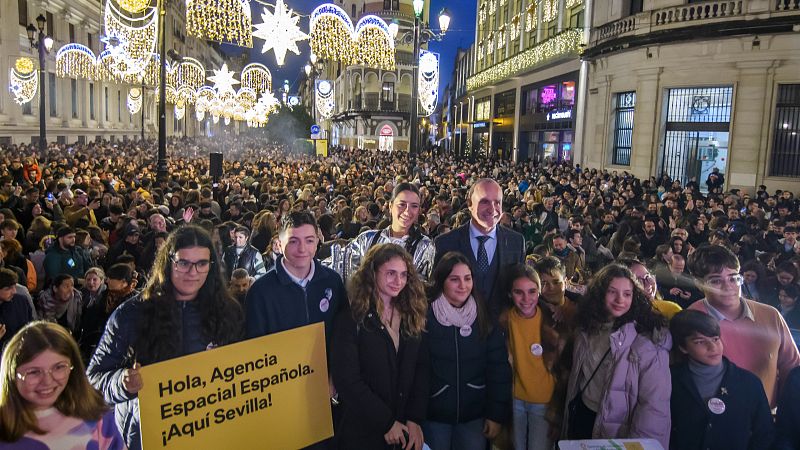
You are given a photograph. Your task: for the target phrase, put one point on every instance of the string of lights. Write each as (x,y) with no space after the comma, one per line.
(23,81)
(221,21)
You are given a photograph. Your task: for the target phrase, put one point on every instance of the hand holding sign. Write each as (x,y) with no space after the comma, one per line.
(132,379)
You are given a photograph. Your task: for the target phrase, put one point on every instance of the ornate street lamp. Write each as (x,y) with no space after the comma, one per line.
(418,36)
(43,43)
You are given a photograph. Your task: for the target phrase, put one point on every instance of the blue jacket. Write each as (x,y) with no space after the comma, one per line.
(746,422)
(470,377)
(275,303)
(787,424)
(115,353)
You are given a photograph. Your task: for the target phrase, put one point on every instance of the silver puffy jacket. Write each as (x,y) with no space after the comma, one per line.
(345,259)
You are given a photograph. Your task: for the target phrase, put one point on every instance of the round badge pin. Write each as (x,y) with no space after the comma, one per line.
(465,331)
(537,349)
(324,304)
(716,405)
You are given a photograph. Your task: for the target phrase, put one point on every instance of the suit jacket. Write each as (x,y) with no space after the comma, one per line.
(510,250)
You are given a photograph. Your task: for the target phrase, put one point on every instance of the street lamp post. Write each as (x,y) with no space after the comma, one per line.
(161,166)
(419,35)
(43,43)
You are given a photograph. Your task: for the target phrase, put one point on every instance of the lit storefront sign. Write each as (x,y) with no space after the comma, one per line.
(565,114)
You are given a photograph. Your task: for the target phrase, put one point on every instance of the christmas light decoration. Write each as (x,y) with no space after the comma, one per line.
(531,17)
(135,37)
(268,103)
(246,98)
(428,81)
(185,94)
(333,37)
(134,100)
(24,65)
(199,115)
(133,6)
(180,111)
(221,21)
(227,120)
(280,31)
(374,43)
(257,77)
(572,3)
(215,118)
(563,44)
(325,98)
(550,11)
(189,73)
(515,28)
(223,80)
(75,61)
(23,81)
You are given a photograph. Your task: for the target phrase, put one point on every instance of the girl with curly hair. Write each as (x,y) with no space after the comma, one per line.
(185,308)
(619,386)
(378,364)
(45,398)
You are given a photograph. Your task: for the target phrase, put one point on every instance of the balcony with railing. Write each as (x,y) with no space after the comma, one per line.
(691,15)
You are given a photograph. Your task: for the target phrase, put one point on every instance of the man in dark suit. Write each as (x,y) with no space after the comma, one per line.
(489,246)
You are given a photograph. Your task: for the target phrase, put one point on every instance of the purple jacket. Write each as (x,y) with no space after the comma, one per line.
(636,400)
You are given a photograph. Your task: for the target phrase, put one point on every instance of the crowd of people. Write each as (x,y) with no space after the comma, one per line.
(466,303)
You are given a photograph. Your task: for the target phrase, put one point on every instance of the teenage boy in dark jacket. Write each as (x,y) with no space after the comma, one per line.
(715,405)
(299,290)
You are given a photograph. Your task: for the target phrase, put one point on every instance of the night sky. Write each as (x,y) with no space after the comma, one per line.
(460,34)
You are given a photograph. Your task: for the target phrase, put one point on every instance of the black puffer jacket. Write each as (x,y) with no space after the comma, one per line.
(470,377)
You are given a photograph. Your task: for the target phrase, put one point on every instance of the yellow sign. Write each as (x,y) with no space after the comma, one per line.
(269,392)
(321,147)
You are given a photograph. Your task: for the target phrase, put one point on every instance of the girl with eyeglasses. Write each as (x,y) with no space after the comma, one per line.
(185,308)
(46,402)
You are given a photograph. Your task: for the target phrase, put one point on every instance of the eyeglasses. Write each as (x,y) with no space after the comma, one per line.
(717,282)
(32,377)
(184,266)
(647,279)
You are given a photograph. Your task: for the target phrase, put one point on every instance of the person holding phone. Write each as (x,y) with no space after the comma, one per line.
(81,212)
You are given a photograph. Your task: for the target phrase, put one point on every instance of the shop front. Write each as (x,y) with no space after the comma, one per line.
(547,119)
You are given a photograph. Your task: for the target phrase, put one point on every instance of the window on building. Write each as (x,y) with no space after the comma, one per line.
(27,109)
(785,157)
(483,109)
(51,25)
(387,93)
(90,41)
(395,5)
(636,6)
(387,5)
(353,10)
(22,6)
(623,128)
(71,33)
(119,106)
(91,101)
(51,88)
(106,102)
(505,103)
(576,17)
(73,85)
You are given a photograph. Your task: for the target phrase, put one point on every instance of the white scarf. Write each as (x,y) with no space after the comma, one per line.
(448,315)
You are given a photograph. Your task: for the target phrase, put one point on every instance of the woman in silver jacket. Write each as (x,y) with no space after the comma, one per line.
(405,207)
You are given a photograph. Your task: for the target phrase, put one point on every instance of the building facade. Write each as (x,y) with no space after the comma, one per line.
(680,87)
(524,82)
(372,106)
(80,110)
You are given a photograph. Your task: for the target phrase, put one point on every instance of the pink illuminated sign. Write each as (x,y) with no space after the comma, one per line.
(548,94)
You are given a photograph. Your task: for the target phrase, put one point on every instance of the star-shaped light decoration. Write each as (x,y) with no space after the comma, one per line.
(223,80)
(279,31)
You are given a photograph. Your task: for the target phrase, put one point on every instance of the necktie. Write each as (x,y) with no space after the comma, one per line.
(483,257)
